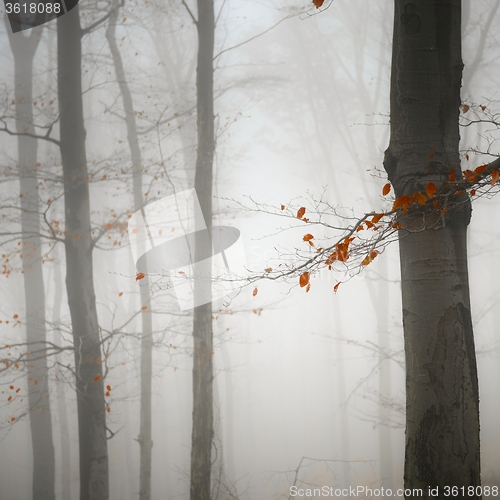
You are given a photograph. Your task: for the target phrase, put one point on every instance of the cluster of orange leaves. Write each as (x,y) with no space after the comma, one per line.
(470,176)
(341,252)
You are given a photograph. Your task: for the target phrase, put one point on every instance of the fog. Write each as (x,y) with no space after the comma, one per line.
(308,387)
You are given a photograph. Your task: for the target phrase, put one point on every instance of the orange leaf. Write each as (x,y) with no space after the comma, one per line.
(452,175)
(143,308)
(366,261)
(386,189)
(97,378)
(373,254)
(397,202)
(282,207)
(468,173)
(494,177)
(120,294)
(473,192)
(268,269)
(301,212)
(336,287)
(139,276)
(255,292)
(318,3)
(481,168)
(304,279)
(421,199)
(308,237)
(308,287)
(377,217)
(108,387)
(430,190)
(108,409)
(467,157)
(402,200)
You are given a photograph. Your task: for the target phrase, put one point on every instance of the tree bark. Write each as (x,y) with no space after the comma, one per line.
(442,409)
(23,49)
(202,432)
(91,406)
(144,439)
(62,401)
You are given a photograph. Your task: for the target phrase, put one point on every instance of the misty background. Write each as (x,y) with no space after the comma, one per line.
(301,115)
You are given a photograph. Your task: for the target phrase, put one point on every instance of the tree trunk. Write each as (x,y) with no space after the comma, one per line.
(384,380)
(442,414)
(62,401)
(23,49)
(202,433)
(79,278)
(144,439)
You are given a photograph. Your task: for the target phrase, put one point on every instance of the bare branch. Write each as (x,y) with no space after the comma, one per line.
(253,37)
(189,12)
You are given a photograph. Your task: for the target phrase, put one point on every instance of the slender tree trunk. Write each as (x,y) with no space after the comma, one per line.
(202,433)
(442,414)
(144,439)
(62,410)
(384,381)
(23,49)
(79,278)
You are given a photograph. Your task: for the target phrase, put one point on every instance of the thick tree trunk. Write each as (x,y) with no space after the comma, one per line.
(202,433)
(144,439)
(79,278)
(23,49)
(442,414)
